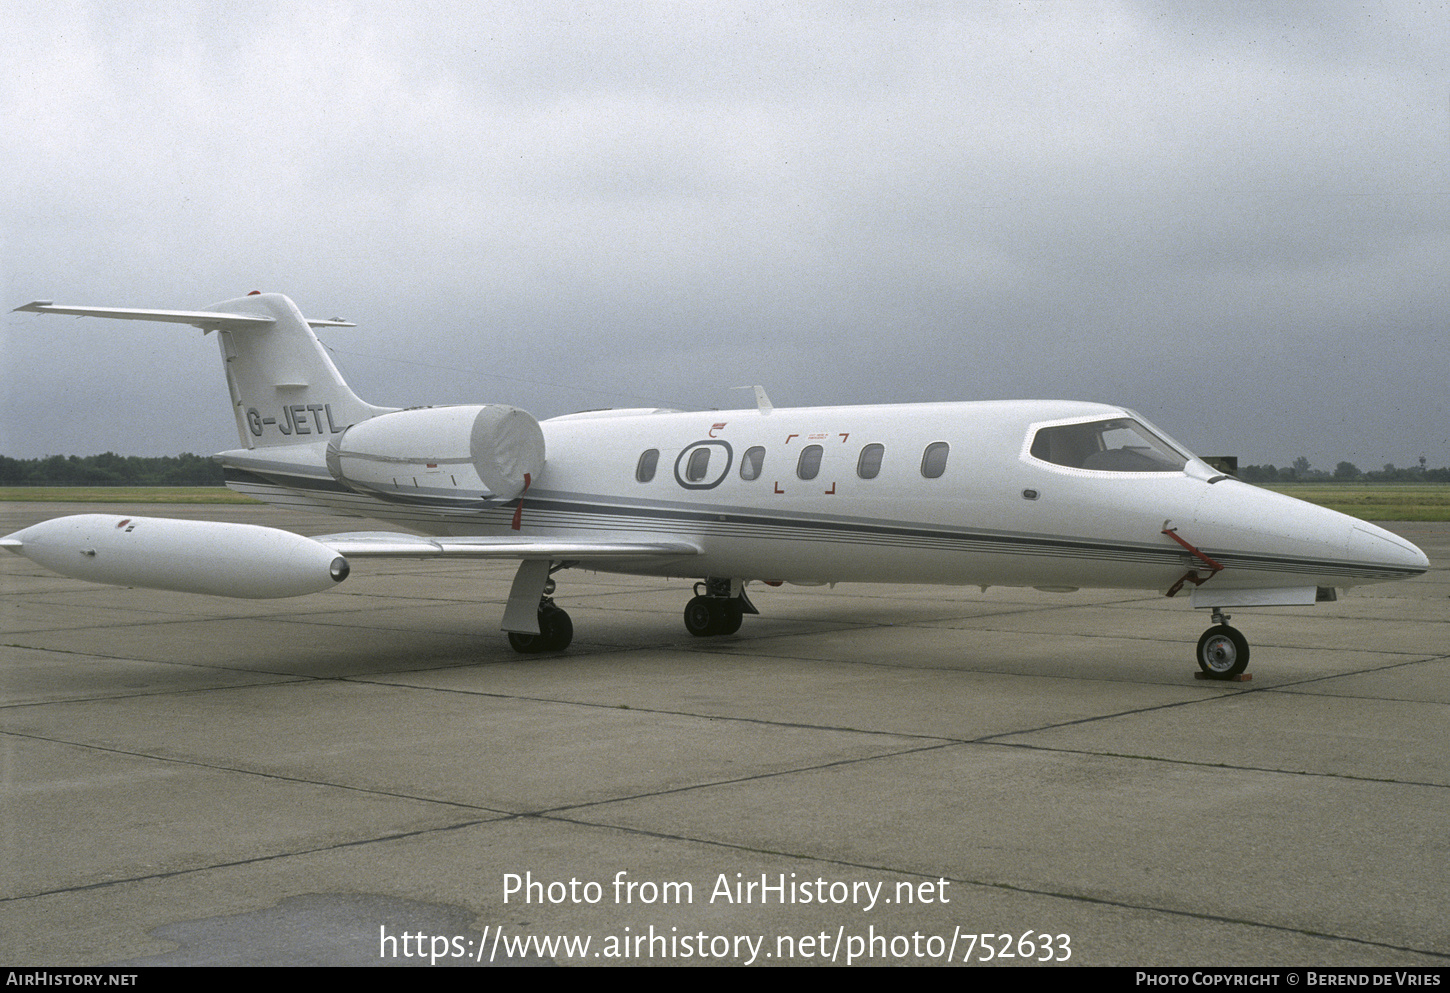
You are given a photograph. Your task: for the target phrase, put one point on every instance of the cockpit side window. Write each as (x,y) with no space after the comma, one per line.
(1117,445)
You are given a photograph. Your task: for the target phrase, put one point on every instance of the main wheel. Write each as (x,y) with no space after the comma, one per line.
(557,630)
(700,620)
(526,644)
(731,614)
(1223,653)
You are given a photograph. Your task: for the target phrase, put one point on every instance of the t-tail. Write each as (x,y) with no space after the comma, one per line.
(284,388)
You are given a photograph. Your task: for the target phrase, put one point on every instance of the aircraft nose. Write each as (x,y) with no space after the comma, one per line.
(1288,536)
(1375,546)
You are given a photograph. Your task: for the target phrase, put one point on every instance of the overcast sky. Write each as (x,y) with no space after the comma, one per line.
(1231,217)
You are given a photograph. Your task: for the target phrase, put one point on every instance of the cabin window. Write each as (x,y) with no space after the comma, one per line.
(934,459)
(751,462)
(645,471)
(868,466)
(1117,445)
(810,462)
(699,462)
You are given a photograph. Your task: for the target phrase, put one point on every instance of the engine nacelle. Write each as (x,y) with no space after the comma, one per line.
(490,449)
(239,560)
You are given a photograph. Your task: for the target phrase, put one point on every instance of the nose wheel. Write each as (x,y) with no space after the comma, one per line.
(1223,652)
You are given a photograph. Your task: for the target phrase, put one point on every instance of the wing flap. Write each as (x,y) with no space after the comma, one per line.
(384,544)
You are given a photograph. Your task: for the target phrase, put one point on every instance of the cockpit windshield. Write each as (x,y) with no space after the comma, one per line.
(1117,445)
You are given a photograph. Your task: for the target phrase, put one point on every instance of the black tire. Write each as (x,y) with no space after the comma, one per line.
(1223,653)
(526,644)
(700,620)
(731,614)
(557,629)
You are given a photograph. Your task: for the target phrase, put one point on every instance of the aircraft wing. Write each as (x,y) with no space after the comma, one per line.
(385,544)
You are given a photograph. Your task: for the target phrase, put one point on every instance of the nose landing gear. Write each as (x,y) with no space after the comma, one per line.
(1223,653)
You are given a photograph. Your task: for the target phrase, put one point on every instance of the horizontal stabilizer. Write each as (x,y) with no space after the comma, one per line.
(205,319)
(383,544)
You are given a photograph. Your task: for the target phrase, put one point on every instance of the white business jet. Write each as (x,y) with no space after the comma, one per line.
(1053,494)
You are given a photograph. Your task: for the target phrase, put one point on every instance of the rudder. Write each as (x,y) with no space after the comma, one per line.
(284,388)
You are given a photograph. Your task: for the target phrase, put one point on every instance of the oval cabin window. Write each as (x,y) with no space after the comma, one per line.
(934,459)
(868,466)
(751,462)
(698,465)
(810,462)
(645,471)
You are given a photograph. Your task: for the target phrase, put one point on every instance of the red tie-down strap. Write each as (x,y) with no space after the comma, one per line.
(1192,576)
(519,510)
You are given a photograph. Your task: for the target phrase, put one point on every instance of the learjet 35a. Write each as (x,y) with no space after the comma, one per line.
(1055,495)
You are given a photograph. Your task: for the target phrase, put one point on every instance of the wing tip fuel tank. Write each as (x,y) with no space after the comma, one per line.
(218,559)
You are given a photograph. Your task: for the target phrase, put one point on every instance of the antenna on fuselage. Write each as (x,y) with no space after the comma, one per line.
(762,402)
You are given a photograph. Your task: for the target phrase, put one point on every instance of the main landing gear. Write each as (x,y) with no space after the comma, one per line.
(1223,653)
(555,628)
(719,609)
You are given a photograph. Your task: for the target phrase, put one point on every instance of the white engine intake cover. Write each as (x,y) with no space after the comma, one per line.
(489,448)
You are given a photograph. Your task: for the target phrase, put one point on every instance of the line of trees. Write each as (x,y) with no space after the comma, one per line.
(110,469)
(1345,472)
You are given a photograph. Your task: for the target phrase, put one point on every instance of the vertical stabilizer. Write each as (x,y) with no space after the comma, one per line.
(285,390)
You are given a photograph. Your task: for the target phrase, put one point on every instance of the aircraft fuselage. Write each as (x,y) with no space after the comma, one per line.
(986,512)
